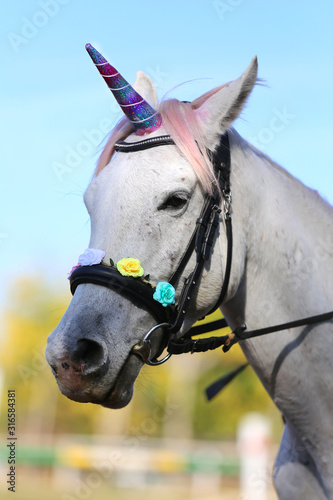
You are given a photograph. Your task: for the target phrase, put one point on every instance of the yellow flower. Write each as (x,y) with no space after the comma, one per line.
(130,267)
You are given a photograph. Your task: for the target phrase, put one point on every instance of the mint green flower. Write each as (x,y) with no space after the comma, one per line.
(164,293)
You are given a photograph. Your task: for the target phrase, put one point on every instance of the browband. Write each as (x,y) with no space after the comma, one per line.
(131,147)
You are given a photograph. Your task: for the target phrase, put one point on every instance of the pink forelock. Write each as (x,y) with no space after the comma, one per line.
(181,123)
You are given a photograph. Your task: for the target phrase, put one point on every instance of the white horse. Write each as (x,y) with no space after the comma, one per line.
(144,205)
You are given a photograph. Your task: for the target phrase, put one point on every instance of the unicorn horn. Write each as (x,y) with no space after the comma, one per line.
(143,117)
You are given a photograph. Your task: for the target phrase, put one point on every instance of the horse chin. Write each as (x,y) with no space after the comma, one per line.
(121,392)
(118,398)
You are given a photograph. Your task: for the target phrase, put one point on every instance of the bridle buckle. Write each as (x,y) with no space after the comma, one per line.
(143,348)
(226,205)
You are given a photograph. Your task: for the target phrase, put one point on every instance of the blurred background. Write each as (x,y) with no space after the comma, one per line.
(56,112)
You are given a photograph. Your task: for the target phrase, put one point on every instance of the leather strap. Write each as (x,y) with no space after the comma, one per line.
(223,162)
(135,289)
(132,147)
(227,341)
(319,318)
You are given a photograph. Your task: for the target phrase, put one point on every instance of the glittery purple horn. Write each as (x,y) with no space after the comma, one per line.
(143,117)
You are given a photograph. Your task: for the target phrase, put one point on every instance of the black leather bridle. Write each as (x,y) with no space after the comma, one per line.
(201,244)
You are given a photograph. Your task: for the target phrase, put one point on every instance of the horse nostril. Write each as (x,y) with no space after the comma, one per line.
(91,355)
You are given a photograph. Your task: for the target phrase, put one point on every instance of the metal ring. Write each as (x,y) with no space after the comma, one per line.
(143,349)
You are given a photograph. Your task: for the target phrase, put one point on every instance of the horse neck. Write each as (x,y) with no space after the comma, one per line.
(282,243)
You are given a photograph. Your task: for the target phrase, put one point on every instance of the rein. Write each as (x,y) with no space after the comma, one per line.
(201,243)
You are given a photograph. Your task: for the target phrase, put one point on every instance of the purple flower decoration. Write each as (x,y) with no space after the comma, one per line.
(164,293)
(91,256)
(72,270)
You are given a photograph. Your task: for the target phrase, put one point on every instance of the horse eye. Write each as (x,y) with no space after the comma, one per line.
(175,201)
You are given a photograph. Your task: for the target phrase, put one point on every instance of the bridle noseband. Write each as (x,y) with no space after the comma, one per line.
(200,244)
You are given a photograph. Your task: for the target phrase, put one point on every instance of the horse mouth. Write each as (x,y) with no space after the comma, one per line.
(99,391)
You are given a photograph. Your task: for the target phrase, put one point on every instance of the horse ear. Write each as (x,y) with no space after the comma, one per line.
(145,87)
(217,113)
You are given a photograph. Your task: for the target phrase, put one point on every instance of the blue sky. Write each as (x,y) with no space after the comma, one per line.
(56,108)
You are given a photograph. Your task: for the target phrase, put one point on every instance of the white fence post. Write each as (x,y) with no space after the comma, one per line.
(253,445)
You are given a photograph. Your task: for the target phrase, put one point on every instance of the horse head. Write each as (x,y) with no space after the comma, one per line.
(143,206)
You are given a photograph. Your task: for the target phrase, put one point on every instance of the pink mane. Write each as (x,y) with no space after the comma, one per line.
(180,121)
